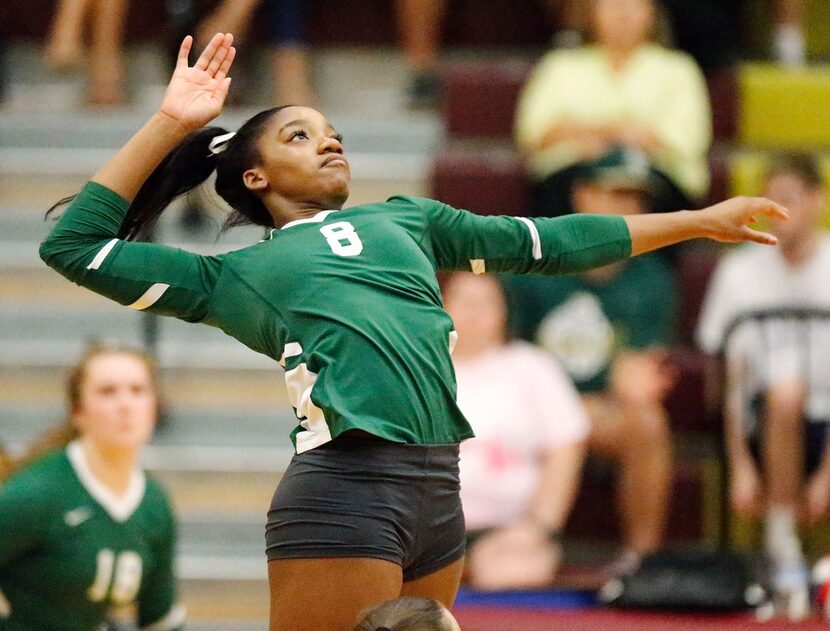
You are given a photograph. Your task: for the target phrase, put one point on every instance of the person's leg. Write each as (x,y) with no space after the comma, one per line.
(328,594)
(290,59)
(515,557)
(441,585)
(638,439)
(783,453)
(419,25)
(106,71)
(65,43)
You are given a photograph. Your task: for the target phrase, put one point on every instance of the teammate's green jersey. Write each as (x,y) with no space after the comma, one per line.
(70,550)
(347,301)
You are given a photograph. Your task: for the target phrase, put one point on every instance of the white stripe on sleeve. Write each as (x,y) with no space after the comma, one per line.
(150,297)
(534,235)
(102,254)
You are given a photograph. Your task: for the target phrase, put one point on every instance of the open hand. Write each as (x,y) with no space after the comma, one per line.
(730,221)
(196,94)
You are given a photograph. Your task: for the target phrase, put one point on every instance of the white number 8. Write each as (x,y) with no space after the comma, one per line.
(342,238)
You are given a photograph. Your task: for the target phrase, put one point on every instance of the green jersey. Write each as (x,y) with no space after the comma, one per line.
(347,301)
(584,322)
(71,551)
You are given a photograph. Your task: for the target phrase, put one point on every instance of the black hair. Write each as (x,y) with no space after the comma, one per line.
(189,164)
(406,613)
(802,165)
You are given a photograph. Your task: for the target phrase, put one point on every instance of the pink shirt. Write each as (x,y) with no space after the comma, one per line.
(521,405)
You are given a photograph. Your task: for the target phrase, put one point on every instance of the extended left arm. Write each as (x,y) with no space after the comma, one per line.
(461,240)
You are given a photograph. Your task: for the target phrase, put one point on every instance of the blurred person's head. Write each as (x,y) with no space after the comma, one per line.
(111,395)
(111,400)
(623,25)
(795,182)
(408,613)
(476,303)
(617,184)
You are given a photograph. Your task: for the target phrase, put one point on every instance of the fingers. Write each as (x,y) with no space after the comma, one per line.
(769,208)
(210,51)
(220,56)
(226,65)
(756,236)
(184,52)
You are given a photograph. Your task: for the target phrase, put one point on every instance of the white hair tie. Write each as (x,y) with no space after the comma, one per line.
(220,143)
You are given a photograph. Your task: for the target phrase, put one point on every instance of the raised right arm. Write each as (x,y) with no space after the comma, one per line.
(84,246)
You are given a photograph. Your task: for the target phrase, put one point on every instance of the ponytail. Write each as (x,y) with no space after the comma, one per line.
(181,170)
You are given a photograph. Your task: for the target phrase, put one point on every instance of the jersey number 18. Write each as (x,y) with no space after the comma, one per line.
(118,577)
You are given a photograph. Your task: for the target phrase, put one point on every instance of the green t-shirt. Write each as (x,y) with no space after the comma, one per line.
(583,323)
(70,552)
(347,301)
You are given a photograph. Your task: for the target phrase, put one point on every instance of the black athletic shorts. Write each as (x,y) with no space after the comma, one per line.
(362,496)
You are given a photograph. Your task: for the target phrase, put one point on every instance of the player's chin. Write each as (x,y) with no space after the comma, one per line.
(337,189)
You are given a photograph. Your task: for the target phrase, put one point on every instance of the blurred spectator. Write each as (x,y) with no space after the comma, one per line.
(609,328)
(778,381)
(408,613)
(105,58)
(520,473)
(285,36)
(419,23)
(709,30)
(84,534)
(623,92)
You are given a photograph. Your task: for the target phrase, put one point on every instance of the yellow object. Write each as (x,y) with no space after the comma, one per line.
(784,108)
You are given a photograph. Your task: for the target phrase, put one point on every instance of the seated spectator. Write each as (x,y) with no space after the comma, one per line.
(609,329)
(84,533)
(623,92)
(777,406)
(408,613)
(520,473)
(105,58)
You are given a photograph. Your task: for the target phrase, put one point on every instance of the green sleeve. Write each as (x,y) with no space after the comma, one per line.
(22,517)
(462,240)
(145,276)
(157,605)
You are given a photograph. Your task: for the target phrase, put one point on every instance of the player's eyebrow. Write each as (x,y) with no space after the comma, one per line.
(303,122)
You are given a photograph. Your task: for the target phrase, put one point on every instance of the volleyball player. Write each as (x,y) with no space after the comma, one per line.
(347,302)
(83,532)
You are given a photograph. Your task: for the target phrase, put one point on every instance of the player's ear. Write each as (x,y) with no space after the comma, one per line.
(254,179)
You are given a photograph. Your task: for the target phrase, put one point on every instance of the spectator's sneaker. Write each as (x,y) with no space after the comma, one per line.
(422,92)
(791,590)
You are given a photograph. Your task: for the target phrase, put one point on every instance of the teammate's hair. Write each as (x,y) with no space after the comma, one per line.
(802,165)
(189,164)
(406,613)
(61,435)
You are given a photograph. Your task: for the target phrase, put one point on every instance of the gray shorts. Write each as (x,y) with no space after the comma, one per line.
(361,496)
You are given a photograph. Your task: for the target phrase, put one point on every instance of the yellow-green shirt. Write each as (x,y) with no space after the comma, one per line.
(659,87)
